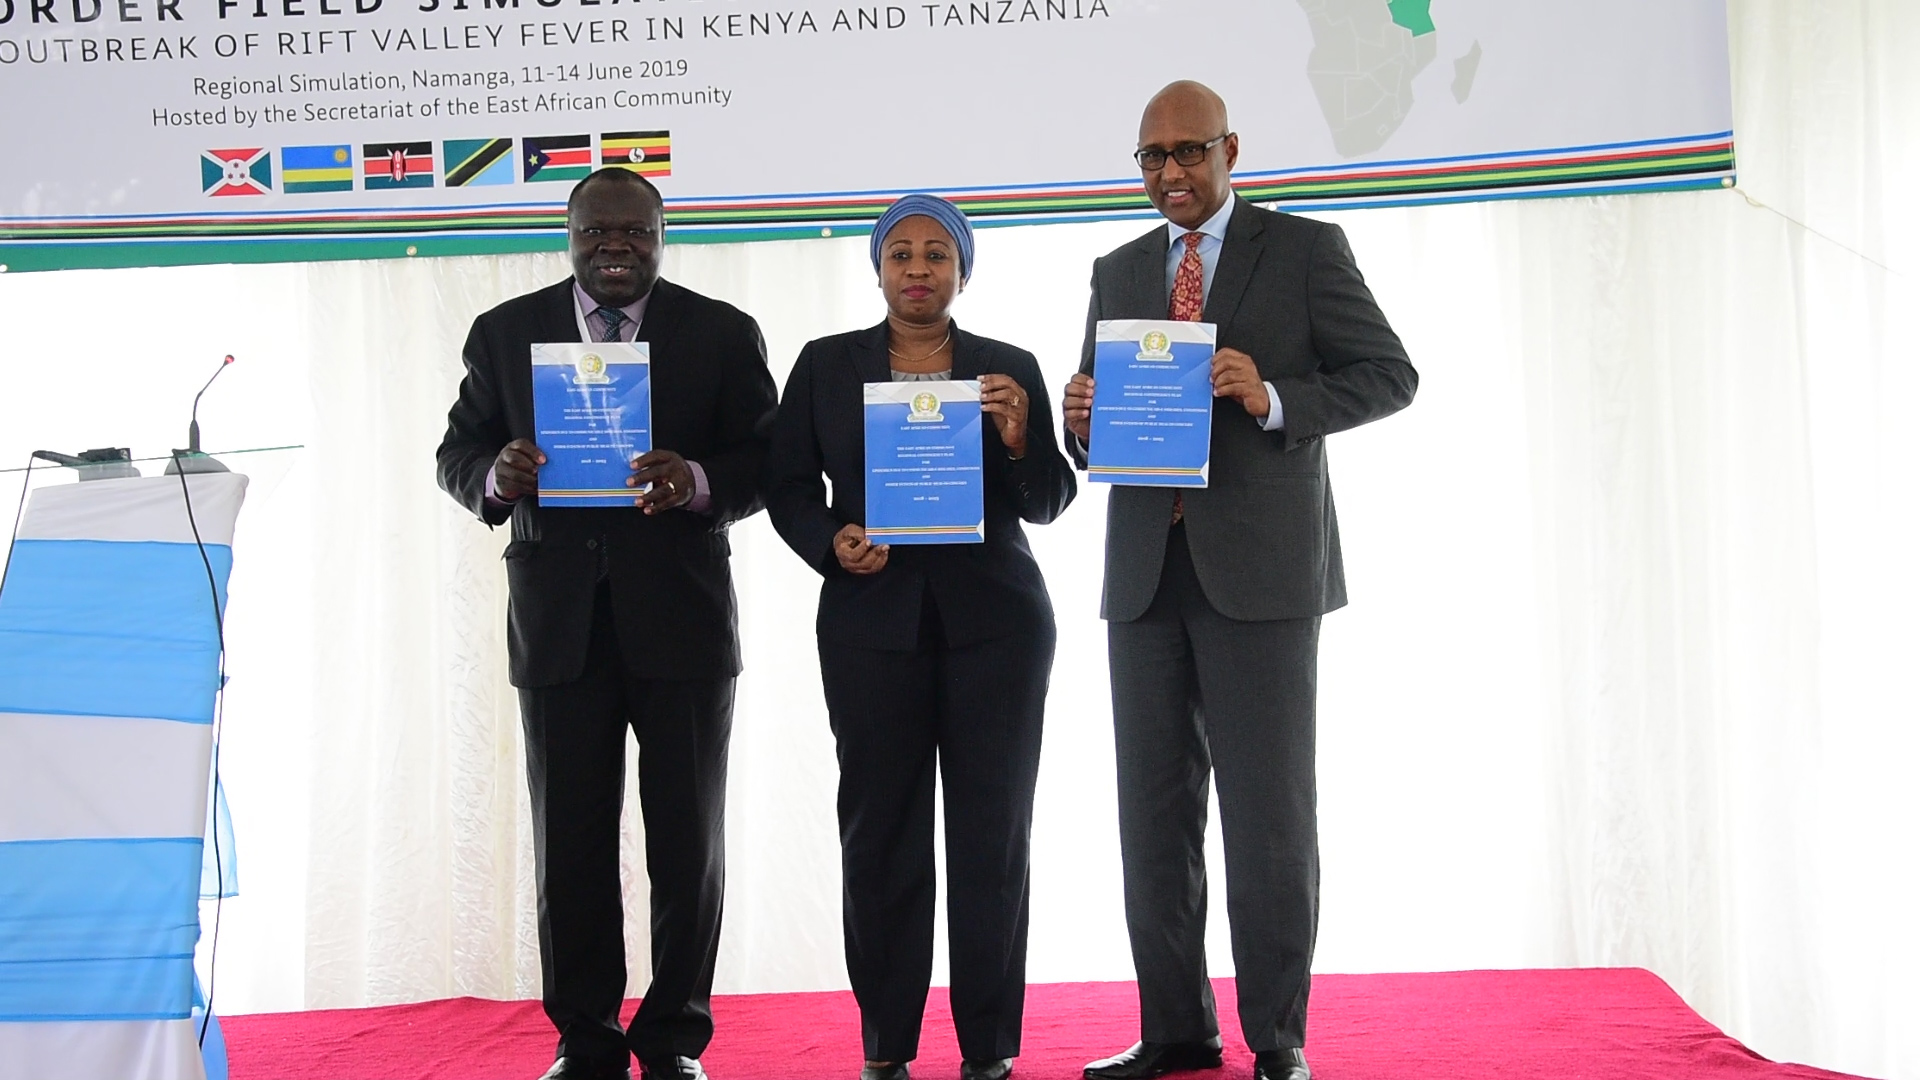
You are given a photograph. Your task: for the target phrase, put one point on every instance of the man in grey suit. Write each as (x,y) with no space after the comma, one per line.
(1214,595)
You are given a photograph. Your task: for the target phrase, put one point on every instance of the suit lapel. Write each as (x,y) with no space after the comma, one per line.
(869,351)
(1238,256)
(969,359)
(557,323)
(662,315)
(1149,291)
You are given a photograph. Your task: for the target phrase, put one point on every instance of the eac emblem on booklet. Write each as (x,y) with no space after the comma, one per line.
(590,368)
(1154,346)
(924,409)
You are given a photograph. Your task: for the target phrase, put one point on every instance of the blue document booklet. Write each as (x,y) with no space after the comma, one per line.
(1152,403)
(924,479)
(592,415)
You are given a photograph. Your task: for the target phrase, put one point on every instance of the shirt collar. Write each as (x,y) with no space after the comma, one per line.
(1215,226)
(586,305)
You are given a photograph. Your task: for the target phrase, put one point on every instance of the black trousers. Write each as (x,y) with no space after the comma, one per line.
(576,751)
(1194,693)
(975,711)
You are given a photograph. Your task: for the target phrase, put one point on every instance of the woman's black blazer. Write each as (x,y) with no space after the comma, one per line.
(983,591)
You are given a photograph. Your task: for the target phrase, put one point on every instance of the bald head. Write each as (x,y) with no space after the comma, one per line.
(1182,118)
(1188,101)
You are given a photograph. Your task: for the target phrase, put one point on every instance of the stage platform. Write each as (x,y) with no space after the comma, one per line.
(1603,1024)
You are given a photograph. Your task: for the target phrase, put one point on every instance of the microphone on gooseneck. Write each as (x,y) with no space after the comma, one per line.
(191,460)
(193,422)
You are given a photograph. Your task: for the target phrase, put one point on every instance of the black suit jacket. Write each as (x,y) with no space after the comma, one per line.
(1264,538)
(983,591)
(713,402)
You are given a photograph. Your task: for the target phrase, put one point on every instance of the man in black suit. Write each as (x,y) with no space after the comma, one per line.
(622,617)
(1214,595)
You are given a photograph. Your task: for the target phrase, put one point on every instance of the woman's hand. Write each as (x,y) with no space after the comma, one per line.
(1002,398)
(855,554)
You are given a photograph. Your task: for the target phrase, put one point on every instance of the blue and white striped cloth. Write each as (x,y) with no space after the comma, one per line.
(109,664)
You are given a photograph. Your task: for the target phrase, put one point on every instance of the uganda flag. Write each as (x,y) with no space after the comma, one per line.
(475,162)
(397,165)
(556,157)
(236,172)
(307,169)
(648,153)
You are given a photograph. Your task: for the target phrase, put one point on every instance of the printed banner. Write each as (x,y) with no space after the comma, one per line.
(268,130)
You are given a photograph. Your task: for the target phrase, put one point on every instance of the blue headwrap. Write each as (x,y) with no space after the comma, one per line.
(937,208)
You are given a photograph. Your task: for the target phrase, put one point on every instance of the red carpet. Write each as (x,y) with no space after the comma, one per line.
(1612,1024)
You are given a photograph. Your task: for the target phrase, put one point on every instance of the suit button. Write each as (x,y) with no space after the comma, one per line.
(591,544)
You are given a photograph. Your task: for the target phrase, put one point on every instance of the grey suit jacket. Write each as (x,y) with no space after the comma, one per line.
(1265,542)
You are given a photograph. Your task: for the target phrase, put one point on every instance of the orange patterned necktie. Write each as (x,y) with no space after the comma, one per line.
(1189,297)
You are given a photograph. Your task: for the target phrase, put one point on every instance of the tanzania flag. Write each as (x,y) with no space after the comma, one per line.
(236,172)
(644,152)
(556,157)
(397,165)
(306,169)
(474,162)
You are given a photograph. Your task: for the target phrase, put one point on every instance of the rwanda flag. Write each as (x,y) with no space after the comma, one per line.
(556,157)
(648,153)
(236,172)
(474,162)
(307,169)
(398,165)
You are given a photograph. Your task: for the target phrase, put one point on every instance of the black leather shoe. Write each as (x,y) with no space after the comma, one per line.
(1281,1065)
(673,1068)
(575,1067)
(1145,1060)
(895,1070)
(986,1068)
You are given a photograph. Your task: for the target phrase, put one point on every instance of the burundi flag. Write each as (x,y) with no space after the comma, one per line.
(644,152)
(397,165)
(556,157)
(474,162)
(236,172)
(307,169)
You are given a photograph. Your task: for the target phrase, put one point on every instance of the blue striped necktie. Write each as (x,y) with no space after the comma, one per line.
(611,318)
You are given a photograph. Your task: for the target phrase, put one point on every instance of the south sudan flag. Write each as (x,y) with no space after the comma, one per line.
(477,162)
(398,165)
(308,169)
(556,157)
(648,153)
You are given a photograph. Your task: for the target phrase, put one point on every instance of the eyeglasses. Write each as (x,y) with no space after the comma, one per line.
(1187,155)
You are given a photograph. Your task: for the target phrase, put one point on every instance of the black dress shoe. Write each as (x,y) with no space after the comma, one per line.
(1281,1065)
(1145,1060)
(672,1068)
(575,1067)
(986,1068)
(893,1070)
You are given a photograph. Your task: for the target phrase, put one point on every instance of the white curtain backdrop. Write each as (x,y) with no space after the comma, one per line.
(1626,679)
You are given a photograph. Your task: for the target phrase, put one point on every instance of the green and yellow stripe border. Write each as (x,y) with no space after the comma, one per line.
(1163,477)
(44,243)
(927,530)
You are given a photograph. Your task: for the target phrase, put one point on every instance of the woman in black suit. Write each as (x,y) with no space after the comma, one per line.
(935,653)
